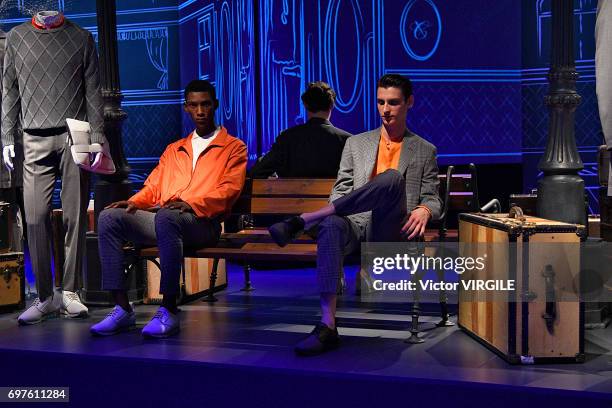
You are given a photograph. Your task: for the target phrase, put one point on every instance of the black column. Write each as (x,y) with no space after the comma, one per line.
(117,186)
(561,190)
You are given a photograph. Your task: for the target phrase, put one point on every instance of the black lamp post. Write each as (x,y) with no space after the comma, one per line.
(114,187)
(561,190)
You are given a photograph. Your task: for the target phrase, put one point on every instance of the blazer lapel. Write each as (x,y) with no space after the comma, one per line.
(407,156)
(370,152)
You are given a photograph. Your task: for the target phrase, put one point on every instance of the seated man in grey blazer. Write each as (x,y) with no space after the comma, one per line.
(386,190)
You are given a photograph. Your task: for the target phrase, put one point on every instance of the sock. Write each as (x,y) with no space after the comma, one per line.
(296,223)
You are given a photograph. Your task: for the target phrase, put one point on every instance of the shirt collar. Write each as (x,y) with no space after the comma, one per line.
(210,135)
(318,121)
(221,139)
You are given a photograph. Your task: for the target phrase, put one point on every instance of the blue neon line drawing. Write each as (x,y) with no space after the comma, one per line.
(225,58)
(419,30)
(332,53)
(544,12)
(156,45)
(157,49)
(205,42)
(185,4)
(285,12)
(61,6)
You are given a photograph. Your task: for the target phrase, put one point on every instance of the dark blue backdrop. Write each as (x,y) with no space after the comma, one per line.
(479,69)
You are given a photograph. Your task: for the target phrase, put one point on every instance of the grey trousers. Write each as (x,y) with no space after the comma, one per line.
(385,196)
(603,71)
(170,230)
(46,158)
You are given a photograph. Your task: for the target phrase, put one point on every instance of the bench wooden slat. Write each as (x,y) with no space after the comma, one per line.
(262,252)
(260,235)
(292,187)
(286,205)
(278,205)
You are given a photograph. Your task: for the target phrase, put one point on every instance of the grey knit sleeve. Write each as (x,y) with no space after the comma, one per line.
(93,95)
(11,102)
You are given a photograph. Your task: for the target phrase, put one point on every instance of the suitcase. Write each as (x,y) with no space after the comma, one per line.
(92,293)
(195,279)
(527,202)
(525,328)
(12,282)
(8,239)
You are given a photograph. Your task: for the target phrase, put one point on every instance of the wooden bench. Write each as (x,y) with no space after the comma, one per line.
(286,197)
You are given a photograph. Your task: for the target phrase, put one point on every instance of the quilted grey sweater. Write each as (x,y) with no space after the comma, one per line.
(50,75)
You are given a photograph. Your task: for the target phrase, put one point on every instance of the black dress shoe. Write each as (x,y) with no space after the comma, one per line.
(319,341)
(285,231)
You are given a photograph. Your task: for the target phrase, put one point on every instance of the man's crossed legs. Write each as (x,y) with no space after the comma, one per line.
(338,236)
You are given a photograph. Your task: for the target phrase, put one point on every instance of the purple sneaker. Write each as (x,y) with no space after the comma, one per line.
(116,321)
(163,324)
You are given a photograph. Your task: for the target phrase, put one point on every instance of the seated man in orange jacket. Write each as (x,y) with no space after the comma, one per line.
(196,182)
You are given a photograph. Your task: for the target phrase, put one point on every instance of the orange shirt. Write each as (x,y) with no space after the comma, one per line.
(210,189)
(388,158)
(388,155)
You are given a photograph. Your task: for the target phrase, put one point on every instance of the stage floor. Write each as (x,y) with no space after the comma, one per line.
(258,330)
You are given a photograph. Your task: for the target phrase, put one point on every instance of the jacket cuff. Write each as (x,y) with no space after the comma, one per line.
(8,139)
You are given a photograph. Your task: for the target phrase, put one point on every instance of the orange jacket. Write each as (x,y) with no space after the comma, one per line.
(211,189)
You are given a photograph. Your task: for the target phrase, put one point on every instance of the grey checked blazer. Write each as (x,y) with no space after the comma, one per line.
(417,164)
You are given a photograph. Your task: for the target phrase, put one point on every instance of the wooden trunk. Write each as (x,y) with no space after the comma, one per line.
(12,282)
(195,279)
(516,328)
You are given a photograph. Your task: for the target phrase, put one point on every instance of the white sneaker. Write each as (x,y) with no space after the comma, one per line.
(116,321)
(39,311)
(71,305)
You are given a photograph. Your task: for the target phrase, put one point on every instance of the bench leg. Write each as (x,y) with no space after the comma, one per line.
(247,278)
(444,322)
(414,327)
(183,288)
(213,281)
(416,312)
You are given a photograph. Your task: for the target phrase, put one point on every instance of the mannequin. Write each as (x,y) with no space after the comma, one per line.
(51,74)
(46,20)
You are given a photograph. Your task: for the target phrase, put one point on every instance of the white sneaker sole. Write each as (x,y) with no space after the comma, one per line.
(52,315)
(81,315)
